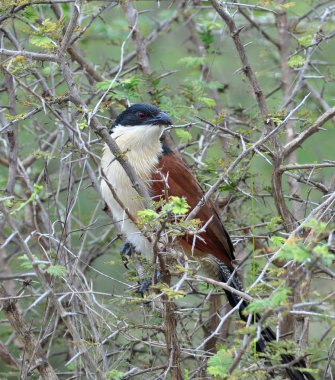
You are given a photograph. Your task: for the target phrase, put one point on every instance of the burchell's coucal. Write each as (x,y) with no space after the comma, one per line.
(137,131)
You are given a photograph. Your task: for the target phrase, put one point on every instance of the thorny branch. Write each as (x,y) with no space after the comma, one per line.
(51,219)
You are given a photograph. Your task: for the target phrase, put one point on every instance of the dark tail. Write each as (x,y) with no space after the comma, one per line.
(267,334)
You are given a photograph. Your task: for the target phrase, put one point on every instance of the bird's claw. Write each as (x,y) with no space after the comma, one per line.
(126,251)
(144,286)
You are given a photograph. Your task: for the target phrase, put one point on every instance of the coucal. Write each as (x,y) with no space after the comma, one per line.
(138,131)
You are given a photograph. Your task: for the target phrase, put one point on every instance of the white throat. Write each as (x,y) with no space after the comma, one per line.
(142,147)
(137,138)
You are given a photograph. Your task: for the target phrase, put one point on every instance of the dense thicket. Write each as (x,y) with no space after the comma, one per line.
(250,87)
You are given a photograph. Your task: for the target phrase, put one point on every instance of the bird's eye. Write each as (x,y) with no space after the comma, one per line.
(141,115)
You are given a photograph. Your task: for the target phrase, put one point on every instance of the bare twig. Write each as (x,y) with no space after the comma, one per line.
(315,127)
(32,347)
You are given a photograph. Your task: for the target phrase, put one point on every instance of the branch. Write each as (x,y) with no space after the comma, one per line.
(66,317)
(224,286)
(326,204)
(307,166)
(32,348)
(283,30)
(141,49)
(263,32)
(17,9)
(248,71)
(12,134)
(161,27)
(29,54)
(223,178)
(309,52)
(71,27)
(7,357)
(317,96)
(294,144)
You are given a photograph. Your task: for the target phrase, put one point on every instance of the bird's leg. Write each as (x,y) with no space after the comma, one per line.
(163,274)
(129,251)
(144,287)
(126,251)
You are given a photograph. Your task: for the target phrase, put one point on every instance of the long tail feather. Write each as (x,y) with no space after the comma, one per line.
(267,334)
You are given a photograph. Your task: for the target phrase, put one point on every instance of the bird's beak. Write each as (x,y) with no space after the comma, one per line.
(161,119)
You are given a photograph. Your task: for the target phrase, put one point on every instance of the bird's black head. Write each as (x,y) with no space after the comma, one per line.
(142,114)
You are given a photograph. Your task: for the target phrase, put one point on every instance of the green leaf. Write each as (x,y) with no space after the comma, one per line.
(27,264)
(306,41)
(323,254)
(277,299)
(114,374)
(296,61)
(278,241)
(209,102)
(30,14)
(71,366)
(219,364)
(37,189)
(192,62)
(211,25)
(49,26)
(127,88)
(8,203)
(131,83)
(83,125)
(316,226)
(288,5)
(296,252)
(147,215)
(206,37)
(56,270)
(256,306)
(274,223)
(280,297)
(214,85)
(183,135)
(171,293)
(277,121)
(46,71)
(105,85)
(177,206)
(42,41)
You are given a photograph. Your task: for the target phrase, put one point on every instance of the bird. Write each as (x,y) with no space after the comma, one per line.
(138,133)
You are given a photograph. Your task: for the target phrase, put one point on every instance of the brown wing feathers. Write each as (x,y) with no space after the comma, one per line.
(182,183)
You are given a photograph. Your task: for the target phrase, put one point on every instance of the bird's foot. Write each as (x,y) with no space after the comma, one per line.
(126,251)
(144,286)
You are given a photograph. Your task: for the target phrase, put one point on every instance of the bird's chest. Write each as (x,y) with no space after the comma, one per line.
(142,150)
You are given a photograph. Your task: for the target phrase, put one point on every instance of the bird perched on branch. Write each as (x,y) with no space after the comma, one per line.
(137,131)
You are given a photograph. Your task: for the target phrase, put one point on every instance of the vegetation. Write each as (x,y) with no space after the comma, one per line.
(250,87)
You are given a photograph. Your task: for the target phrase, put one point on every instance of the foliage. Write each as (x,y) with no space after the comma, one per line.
(114,374)
(62,74)
(184,136)
(219,363)
(306,41)
(172,294)
(56,270)
(26,263)
(176,205)
(296,61)
(279,298)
